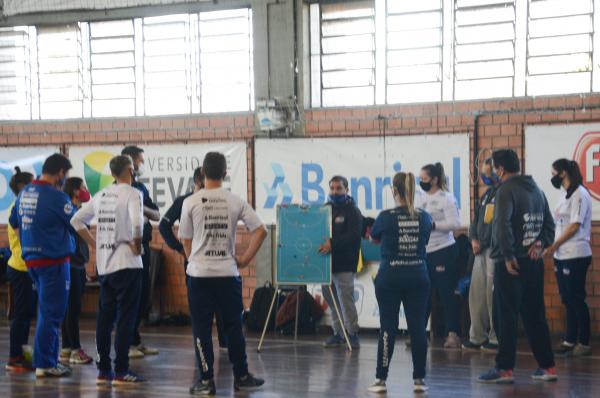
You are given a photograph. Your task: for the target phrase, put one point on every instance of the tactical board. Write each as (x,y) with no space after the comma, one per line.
(301,230)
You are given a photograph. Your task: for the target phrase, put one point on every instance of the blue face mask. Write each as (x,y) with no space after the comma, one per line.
(489,181)
(338,199)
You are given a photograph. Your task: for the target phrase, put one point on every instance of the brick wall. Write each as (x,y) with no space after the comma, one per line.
(499,123)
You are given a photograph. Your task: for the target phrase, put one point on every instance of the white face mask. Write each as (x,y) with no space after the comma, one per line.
(140,170)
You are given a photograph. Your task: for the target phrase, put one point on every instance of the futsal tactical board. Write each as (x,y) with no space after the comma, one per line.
(301,230)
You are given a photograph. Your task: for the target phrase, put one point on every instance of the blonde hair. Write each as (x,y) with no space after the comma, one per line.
(404,184)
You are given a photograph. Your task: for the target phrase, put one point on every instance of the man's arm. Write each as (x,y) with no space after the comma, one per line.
(451,219)
(81,220)
(256,240)
(136,215)
(548,228)
(166,225)
(186,227)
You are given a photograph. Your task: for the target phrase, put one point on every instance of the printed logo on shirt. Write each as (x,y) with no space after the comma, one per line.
(68,209)
(339,220)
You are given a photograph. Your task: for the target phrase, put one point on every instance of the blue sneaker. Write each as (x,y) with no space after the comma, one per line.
(497,376)
(354,341)
(334,341)
(127,378)
(545,375)
(105,377)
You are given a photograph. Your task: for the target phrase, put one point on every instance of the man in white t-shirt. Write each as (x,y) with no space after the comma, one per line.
(207,230)
(118,210)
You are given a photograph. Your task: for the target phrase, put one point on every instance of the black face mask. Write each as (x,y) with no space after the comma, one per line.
(556,181)
(425,186)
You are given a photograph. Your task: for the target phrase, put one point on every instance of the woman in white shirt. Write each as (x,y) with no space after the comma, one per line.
(572,254)
(442,251)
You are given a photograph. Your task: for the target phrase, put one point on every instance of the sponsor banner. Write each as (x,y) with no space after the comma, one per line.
(579,142)
(29,159)
(298,170)
(169,169)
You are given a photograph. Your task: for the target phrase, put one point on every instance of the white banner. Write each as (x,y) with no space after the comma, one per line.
(15,7)
(29,159)
(169,168)
(298,170)
(580,142)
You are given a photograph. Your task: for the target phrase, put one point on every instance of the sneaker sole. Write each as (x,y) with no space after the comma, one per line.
(420,390)
(489,350)
(501,381)
(204,394)
(377,390)
(548,379)
(471,349)
(81,362)
(16,369)
(126,383)
(248,388)
(103,382)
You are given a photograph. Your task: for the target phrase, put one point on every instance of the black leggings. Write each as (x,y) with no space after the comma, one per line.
(70,325)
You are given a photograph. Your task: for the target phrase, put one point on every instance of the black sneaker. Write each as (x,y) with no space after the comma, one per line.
(248,382)
(489,348)
(564,349)
(470,346)
(204,387)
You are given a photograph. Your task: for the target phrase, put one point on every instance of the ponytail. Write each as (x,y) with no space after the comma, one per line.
(19,178)
(571,168)
(404,184)
(437,170)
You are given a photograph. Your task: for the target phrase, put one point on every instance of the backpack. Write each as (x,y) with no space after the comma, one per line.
(309,313)
(259,309)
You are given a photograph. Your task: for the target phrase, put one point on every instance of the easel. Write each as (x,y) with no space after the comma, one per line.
(278,284)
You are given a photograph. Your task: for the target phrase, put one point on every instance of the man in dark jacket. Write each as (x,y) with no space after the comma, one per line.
(522,228)
(344,247)
(482,335)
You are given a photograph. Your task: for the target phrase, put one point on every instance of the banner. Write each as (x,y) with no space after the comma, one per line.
(29,159)
(579,142)
(298,170)
(169,168)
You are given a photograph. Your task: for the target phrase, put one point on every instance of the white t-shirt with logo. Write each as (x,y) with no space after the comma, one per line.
(576,209)
(119,214)
(209,218)
(444,213)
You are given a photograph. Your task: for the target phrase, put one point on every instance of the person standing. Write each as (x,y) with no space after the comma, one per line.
(72,352)
(344,247)
(482,335)
(166,230)
(42,214)
(151,213)
(521,229)
(207,229)
(402,278)
(572,255)
(118,210)
(23,296)
(442,251)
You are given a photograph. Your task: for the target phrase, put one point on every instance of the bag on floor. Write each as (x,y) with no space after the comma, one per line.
(259,309)
(309,313)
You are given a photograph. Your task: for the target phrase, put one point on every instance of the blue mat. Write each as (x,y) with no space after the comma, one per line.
(301,230)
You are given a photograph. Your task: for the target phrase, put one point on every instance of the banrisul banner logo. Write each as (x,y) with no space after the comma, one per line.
(97,171)
(587,155)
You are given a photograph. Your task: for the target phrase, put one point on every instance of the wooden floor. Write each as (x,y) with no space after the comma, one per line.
(305,369)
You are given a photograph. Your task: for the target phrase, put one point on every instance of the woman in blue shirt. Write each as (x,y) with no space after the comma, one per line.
(403,233)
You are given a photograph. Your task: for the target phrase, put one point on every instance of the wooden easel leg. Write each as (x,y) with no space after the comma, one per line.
(340,318)
(262,337)
(297,312)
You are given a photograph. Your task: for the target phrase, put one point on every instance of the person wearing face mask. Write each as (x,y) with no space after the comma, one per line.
(72,352)
(572,255)
(482,335)
(521,229)
(151,213)
(344,247)
(118,210)
(42,214)
(442,251)
(22,294)
(403,233)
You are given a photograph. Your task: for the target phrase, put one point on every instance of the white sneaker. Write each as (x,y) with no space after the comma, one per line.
(59,371)
(378,387)
(147,350)
(419,386)
(134,353)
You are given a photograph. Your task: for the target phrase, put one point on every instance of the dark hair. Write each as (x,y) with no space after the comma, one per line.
(437,170)
(214,166)
(199,176)
(508,159)
(132,151)
(119,163)
(55,163)
(19,178)
(572,169)
(488,161)
(71,185)
(404,184)
(342,180)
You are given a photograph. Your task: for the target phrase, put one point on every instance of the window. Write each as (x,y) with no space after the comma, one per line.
(344,53)
(559,51)
(226,65)
(15,72)
(414,51)
(484,48)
